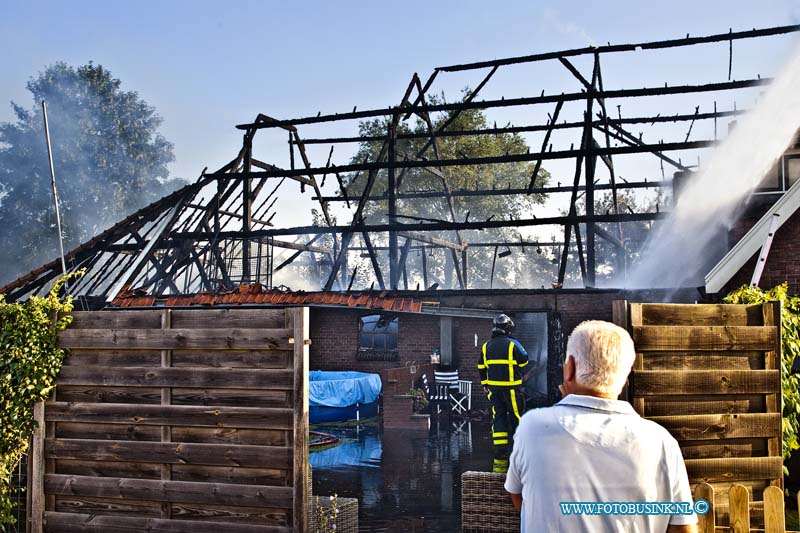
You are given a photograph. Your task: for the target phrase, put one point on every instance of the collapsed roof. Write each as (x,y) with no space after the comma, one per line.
(217,234)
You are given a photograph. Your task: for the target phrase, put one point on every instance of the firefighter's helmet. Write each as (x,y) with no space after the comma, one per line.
(502,323)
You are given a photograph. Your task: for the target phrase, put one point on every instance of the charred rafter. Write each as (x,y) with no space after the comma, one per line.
(218,233)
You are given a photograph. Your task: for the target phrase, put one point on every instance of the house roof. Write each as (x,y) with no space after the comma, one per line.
(751,243)
(255,294)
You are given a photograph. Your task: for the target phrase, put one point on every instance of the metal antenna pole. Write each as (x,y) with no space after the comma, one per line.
(55,191)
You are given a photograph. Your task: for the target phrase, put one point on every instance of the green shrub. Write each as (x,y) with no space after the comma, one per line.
(29,364)
(790,326)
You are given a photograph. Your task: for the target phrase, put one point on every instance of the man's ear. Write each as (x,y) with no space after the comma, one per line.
(569,369)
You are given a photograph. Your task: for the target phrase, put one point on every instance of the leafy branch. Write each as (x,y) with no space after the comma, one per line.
(790,344)
(29,363)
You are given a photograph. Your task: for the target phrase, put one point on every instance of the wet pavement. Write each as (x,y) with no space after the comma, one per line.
(405,480)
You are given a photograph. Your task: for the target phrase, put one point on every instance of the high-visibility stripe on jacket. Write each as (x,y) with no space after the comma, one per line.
(500,362)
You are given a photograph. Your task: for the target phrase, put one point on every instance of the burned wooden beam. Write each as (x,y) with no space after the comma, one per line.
(511,192)
(545,142)
(511,158)
(433,226)
(531,128)
(609,237)
(301,247)
(632,141)
(294,256)
(432,240)
(341,257)
(374,260)
(401,263)
(312,179)
(581,258)
(392,191)
(613,48)
(585,141)
(487,244)
(514,102)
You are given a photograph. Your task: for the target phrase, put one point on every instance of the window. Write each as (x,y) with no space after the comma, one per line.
(772,182)
(783,174)
(791,169)
(377,337)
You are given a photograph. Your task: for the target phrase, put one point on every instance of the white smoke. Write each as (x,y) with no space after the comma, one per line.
(692,238)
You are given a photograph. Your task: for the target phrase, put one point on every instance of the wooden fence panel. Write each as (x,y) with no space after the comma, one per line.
(743,512)
(710,374)
(177,420)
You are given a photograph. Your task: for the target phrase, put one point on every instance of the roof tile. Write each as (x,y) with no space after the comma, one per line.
(257,294)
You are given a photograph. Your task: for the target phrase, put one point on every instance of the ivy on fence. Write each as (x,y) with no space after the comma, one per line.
(790,330)
(29,364)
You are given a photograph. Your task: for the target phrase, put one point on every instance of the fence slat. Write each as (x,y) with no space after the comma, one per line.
(734,469)
(739,502)
(176,339)
(702,404)
(705,523)
(716,448)
(37,469)
(300,322)
(703,427)
(681,382)
(142,318)
(771,312)
(712,338)
(702,360)
(79,523)
(188,420)
(699,315)
(170,453)
(169,491)
(171,415)
(228,318)
(774,518)
(176,377)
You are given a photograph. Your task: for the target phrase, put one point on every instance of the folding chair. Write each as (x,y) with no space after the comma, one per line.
(459,391)
(437,394)
(462,402)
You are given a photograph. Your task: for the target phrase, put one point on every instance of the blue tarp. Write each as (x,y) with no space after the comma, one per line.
(342,389)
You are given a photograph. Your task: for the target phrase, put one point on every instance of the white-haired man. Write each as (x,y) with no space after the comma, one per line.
(592,448)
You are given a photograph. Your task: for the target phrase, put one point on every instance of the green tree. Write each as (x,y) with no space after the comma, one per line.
(517,269)
(109,158)
(790,351)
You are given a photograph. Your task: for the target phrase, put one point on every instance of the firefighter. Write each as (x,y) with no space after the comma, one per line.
(500,367)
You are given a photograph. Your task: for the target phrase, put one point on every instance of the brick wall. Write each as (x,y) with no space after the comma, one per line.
(782,264)
(334,340)
(334,332)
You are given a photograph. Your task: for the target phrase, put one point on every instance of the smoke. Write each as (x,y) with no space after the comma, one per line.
(570,29)
(684,247)
(108,156)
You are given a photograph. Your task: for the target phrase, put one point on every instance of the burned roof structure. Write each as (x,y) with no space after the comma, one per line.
(217,234)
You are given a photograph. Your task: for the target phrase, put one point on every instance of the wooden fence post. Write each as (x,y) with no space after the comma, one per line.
(300,328)
(774,518)
(706,523)
(619,313)
(37,471)
(166,399)
(739,510)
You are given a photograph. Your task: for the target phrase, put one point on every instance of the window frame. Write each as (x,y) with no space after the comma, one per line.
(388,334)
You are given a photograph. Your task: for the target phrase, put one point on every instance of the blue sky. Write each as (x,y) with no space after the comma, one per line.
(207,66)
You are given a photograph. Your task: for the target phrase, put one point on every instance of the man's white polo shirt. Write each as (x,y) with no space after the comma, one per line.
(588,449)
